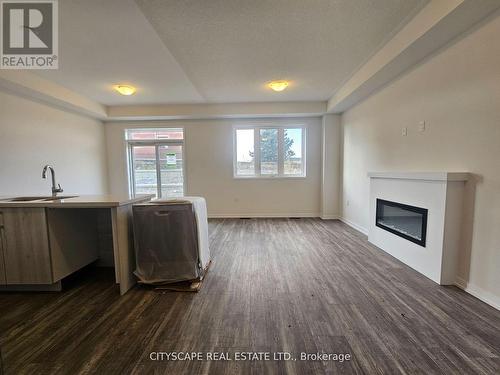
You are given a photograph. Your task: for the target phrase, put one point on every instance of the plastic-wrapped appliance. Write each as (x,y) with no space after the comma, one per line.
(171,240)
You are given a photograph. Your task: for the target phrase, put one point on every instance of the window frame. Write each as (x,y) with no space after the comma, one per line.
(156,143)
(281,157)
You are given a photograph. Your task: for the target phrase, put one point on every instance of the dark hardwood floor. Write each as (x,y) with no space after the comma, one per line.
(275,285)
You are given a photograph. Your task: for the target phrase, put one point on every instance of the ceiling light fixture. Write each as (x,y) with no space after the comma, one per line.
(278,85)
(125,89)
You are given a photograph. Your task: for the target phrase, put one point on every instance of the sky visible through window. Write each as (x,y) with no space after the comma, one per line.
(245,141)
(295,135)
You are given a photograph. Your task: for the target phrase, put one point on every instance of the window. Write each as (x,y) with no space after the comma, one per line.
(269,151)
(156,162)
(245,163)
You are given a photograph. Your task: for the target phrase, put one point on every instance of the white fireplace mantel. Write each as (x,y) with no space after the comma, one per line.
(427,176)
(441,193)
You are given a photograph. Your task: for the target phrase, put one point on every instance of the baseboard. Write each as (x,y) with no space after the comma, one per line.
(263,216)
(461,283)
(56,287)
(354,226)
(479,293)
(329,217)
(271,215)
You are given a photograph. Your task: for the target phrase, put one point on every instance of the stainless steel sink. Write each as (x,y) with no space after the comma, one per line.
(42,198)
(26,199)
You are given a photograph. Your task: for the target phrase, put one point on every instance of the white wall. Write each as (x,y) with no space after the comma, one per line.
(34,134)
(457,93)
(330,182)
(209,173)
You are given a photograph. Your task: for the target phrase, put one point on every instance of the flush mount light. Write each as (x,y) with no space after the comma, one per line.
(278,85)
(125,89)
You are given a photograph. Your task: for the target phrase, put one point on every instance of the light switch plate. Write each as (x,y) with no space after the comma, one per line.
(421,126)
(404,132)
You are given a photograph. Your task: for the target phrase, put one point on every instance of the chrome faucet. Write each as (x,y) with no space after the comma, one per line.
(55,189)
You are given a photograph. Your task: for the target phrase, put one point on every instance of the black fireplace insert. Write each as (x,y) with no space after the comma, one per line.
(405,221)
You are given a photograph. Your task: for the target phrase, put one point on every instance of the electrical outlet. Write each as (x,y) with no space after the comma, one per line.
(421,126)
(404,132)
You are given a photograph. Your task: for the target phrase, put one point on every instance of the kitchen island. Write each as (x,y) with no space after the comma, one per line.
(44,239)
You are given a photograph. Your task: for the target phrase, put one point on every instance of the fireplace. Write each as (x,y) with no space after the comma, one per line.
(405,221)
(436,227)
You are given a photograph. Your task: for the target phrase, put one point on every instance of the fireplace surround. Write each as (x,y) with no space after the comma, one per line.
(432,248)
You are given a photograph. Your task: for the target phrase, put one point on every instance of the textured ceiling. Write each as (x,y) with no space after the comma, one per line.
(229,48)
(220,50)
(102,43)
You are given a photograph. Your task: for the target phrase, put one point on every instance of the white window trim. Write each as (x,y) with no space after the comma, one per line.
(281,128)
(157,143)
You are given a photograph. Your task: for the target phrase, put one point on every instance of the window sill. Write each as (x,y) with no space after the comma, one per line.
(268,177)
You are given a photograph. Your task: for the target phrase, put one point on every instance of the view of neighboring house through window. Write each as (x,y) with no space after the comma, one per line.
(269,151)
(156,162)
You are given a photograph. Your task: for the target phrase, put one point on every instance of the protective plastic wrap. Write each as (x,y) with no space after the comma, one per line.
(171,240)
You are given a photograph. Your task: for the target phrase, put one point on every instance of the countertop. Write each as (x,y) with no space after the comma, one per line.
(78,201)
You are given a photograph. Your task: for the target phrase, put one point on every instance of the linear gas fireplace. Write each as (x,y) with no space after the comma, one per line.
(409,222)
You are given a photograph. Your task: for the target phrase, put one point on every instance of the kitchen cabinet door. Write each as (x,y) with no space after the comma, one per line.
(26,249)
(2,245)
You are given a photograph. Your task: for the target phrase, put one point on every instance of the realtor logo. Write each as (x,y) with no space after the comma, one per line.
(29,37)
